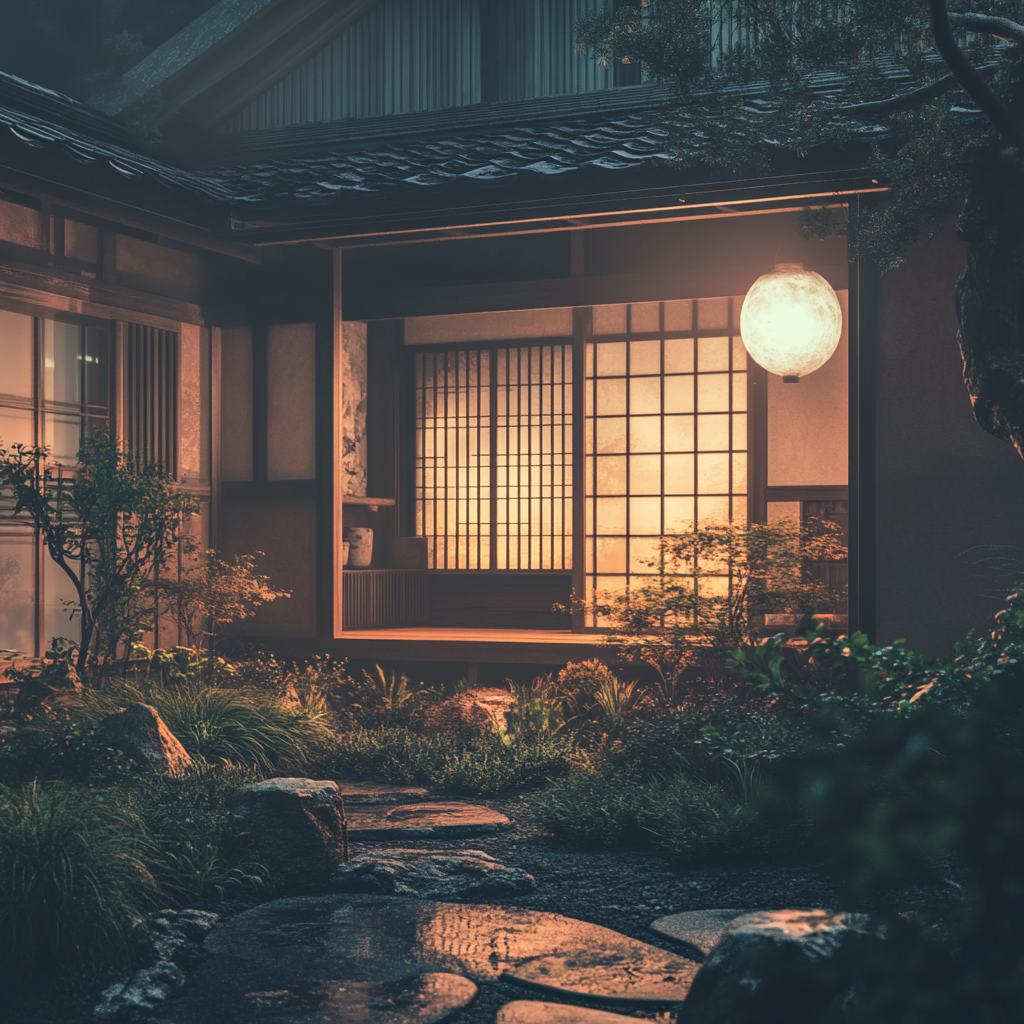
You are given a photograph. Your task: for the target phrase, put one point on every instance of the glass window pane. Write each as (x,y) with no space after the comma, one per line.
(611,474)
(611,397)
(739,392)
(679,315)
(63,434)
(645,433)
(679,433)
(16,426)
(739,433)
(644,395)
(712,314)
(645,474)
(62,362)
(644,356)
(645,516)
(712,433)
(611,435)
(16,348)
(644,554)
(609,319)
(679,355)
(679,394)
(678,514)
(611,516)
(739,354)
(713,392)
(739,473)
(713,474)
(712,354)
(645,316)
(96,347)
(678,474)
(611,359)
(59,599)
(713,510)
(611,554)
(17,584)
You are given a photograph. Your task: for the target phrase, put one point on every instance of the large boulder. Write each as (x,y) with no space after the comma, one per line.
(470,713)
(781,965)
(50,684)
(432,875)
(141,735)
(296,828)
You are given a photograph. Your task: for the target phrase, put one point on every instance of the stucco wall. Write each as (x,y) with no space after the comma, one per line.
(950,498)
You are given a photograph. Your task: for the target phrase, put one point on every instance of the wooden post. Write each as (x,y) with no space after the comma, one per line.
(338,446)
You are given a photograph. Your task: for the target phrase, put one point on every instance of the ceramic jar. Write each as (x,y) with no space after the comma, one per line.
(360,550)
(344,552)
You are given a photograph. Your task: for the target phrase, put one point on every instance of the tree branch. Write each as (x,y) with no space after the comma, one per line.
(1001,28)
(910,99)
(970,80)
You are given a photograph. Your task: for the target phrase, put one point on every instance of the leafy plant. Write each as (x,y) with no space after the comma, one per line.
(711,587)
(212,592)
(387,697)
(111,526)
(73,876)
(618,701)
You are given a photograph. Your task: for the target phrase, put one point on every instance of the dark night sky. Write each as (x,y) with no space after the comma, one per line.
(78,45)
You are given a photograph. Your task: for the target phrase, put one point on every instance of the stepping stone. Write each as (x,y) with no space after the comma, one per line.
(357,793)
(613,975)
(423,999)
(527,1012)
(431,874)
(700,929)
(308,941)
(441,820)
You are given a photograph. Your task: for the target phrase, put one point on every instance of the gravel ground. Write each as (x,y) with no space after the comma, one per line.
(624,891)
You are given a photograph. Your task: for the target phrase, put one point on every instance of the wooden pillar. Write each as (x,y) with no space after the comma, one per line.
(337,477)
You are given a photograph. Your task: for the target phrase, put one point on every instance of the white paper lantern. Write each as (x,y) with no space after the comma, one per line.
(791,321)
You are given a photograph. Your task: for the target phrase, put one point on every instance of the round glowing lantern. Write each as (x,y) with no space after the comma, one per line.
(791,321)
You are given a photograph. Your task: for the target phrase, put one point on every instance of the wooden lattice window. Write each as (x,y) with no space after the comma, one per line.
(493,471)
(151,395)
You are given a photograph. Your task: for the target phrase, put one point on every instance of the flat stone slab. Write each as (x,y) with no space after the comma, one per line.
(356,794)
(700,929)
(423,999)
(523,1011)
(612,975)
(294,943)
(431,874)
(442,820)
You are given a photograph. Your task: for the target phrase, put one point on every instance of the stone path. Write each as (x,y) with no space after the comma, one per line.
(389,948)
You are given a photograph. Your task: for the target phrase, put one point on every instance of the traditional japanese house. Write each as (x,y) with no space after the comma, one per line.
(418,266)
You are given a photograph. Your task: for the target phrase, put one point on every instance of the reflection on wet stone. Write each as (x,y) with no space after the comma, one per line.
(422,999)
(312,941)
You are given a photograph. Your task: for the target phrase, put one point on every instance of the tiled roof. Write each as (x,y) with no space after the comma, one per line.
(470,153)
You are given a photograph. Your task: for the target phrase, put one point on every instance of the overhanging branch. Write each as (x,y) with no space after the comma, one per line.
(911,99)
(968,77)
(1001,28)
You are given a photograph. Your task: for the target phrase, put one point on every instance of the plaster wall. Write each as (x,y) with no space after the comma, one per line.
(808,422)
(190,409)
(291,405)
(949,498)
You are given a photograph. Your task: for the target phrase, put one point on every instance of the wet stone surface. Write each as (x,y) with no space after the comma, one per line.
(358,793)
(423,999)
(431,874)
(442,820)
(522,1011)
(700,929)
(295,943)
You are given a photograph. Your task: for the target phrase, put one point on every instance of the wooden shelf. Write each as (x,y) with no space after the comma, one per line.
(372,503)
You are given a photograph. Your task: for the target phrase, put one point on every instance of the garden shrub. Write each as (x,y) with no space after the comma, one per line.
(592,809)
(240,725)
(482,766)
(73,876)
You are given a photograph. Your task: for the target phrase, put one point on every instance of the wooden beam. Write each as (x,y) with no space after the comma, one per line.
(811,493)
(42,286)
(337,477)
(709,282)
